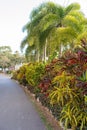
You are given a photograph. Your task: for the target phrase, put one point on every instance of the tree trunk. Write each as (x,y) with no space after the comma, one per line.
(43,54)
(38,56)
(60,50)
(73,128)
(45,51)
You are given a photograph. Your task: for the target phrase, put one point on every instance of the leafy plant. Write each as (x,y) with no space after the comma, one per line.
(33,74)
(83,77)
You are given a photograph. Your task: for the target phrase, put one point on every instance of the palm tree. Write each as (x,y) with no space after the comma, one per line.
(34,31)
(63,23)
(51,23)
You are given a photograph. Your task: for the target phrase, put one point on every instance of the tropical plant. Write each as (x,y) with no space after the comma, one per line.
(21,74)
(69,89)
(33,75)
(61,86)
(52,24)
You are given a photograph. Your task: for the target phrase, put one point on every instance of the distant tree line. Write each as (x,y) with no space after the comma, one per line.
(8,59)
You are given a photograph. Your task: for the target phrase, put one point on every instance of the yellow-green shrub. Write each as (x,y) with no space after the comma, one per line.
(34,74)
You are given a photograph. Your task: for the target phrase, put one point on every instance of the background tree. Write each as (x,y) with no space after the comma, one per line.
(5,53)
(9,59)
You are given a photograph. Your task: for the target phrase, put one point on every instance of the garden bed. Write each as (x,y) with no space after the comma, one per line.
(50,121)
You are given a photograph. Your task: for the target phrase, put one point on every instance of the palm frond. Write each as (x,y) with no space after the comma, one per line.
(29,49)
(66,34)
(73,22)
(72,7)
(47,21)
(37,11)
(60,11)
(44,35)
(23,43)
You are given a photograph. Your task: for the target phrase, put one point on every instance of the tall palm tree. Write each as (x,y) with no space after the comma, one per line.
(62,23)
(53,23)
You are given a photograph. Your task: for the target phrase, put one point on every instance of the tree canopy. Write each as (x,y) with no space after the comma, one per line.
(53,27)
(9,59)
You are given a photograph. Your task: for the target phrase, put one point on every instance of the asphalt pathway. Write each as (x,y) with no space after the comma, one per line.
(16,111)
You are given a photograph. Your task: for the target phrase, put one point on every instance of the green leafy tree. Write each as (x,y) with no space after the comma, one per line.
(9,59)
(5,53)
(51,27)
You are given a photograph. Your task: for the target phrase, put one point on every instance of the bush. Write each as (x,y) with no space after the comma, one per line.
(34,74)
(70,89)
(61,86)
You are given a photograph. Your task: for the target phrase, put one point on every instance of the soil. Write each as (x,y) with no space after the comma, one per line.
(49,118)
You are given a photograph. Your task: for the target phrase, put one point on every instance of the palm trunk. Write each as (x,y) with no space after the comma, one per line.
(43,54)
(60,50)
(45,50)
(38,56)
(73,127)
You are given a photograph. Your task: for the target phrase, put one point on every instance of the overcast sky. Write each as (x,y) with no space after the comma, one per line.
(14,14)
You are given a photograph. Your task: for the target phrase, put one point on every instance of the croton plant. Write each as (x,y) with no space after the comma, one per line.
(61,85)
(69,88)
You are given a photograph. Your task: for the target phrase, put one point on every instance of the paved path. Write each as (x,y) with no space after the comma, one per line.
(16,111)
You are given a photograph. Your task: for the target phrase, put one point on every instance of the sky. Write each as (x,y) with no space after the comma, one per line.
(14,14)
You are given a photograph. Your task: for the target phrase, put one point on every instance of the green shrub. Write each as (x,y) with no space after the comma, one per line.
(21,75)
(34,74)
(69,89)
(61,86)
